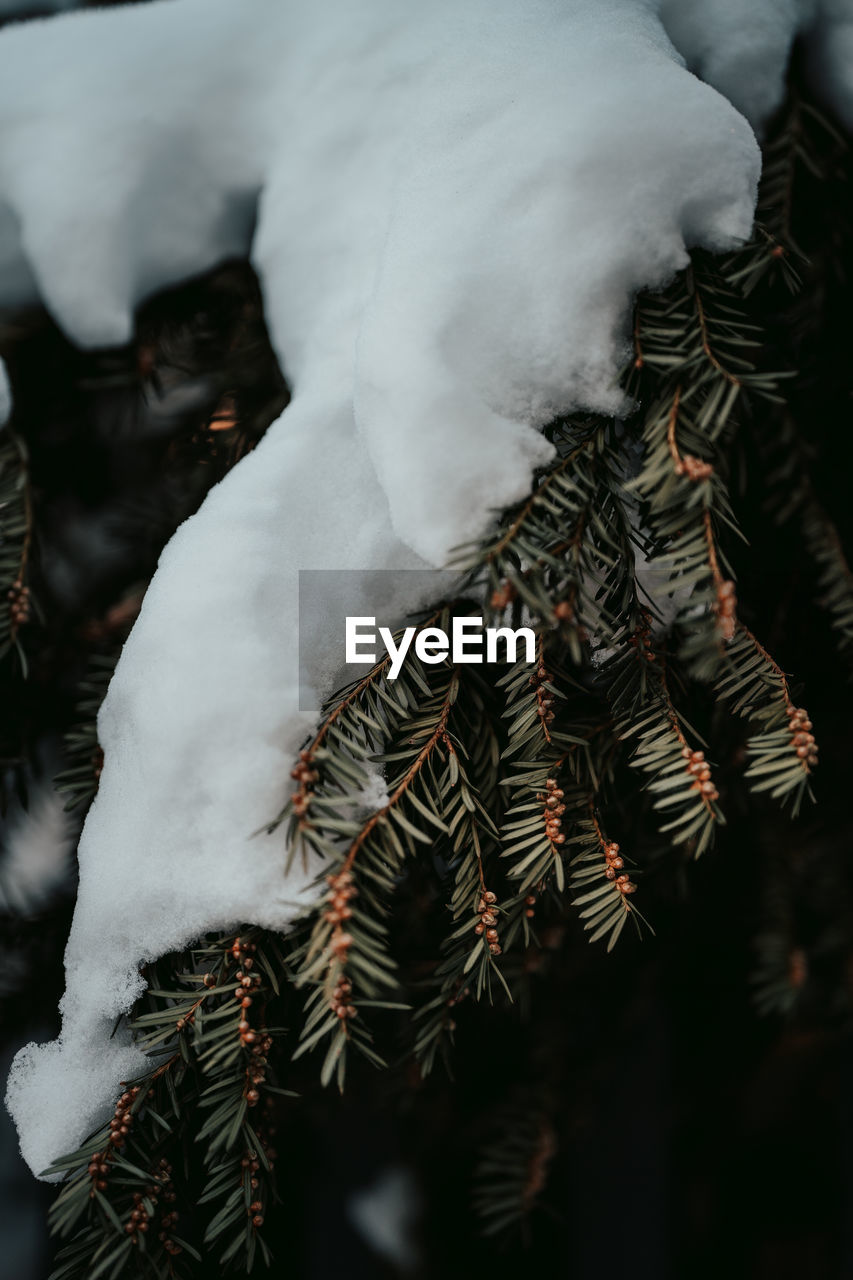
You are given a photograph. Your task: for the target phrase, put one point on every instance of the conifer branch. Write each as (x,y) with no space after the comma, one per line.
(599,883)
(16,533)
(124,1193)
(512,1170)
(783,753)
(678,775)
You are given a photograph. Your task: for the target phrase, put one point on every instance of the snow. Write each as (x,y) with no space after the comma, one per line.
(5,395)
(37,843)
(386,1213)
(830,48)
(743,47)
(739,46)
(449,208)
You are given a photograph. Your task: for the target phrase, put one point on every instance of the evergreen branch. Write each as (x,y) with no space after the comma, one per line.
(679,777)
(348,944)
(600,884)
(833,578)
(211,1065)
(561,552)
(512,1170)
(531,836)
(414,725)
(16,532)
(692,340)
(783,753)
(793,496)
(542,808)
(469,952)
(466,797)
(84,758)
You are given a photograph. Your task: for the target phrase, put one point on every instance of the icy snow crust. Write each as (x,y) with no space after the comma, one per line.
(449,207)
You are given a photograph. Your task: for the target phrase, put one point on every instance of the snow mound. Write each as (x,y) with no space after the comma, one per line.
(449,207)
(743,47)
(830,49)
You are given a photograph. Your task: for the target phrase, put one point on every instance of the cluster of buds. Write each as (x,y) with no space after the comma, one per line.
(120,1126)
(529,903)
(19,604)
(564,612)
(247,981)
(800,728)
(700,771)
(613,865)
(138,1223)
(247,984)
(544,697)
(554,810)
(256,1071)
(341,892)
(260,1048)
(243,951)
(725,608)
(140,1219)
(122,1120)
(341,1001)
(169,1222)
(488,920)
(305,775)
(503,596)
(251,1165)
(694,468)
(98,1170)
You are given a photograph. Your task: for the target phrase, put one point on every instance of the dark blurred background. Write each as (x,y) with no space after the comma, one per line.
(683,1103)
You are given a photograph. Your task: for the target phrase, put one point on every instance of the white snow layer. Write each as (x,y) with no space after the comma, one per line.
(831,57)
(36,846)
(742,48)
(450,207)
